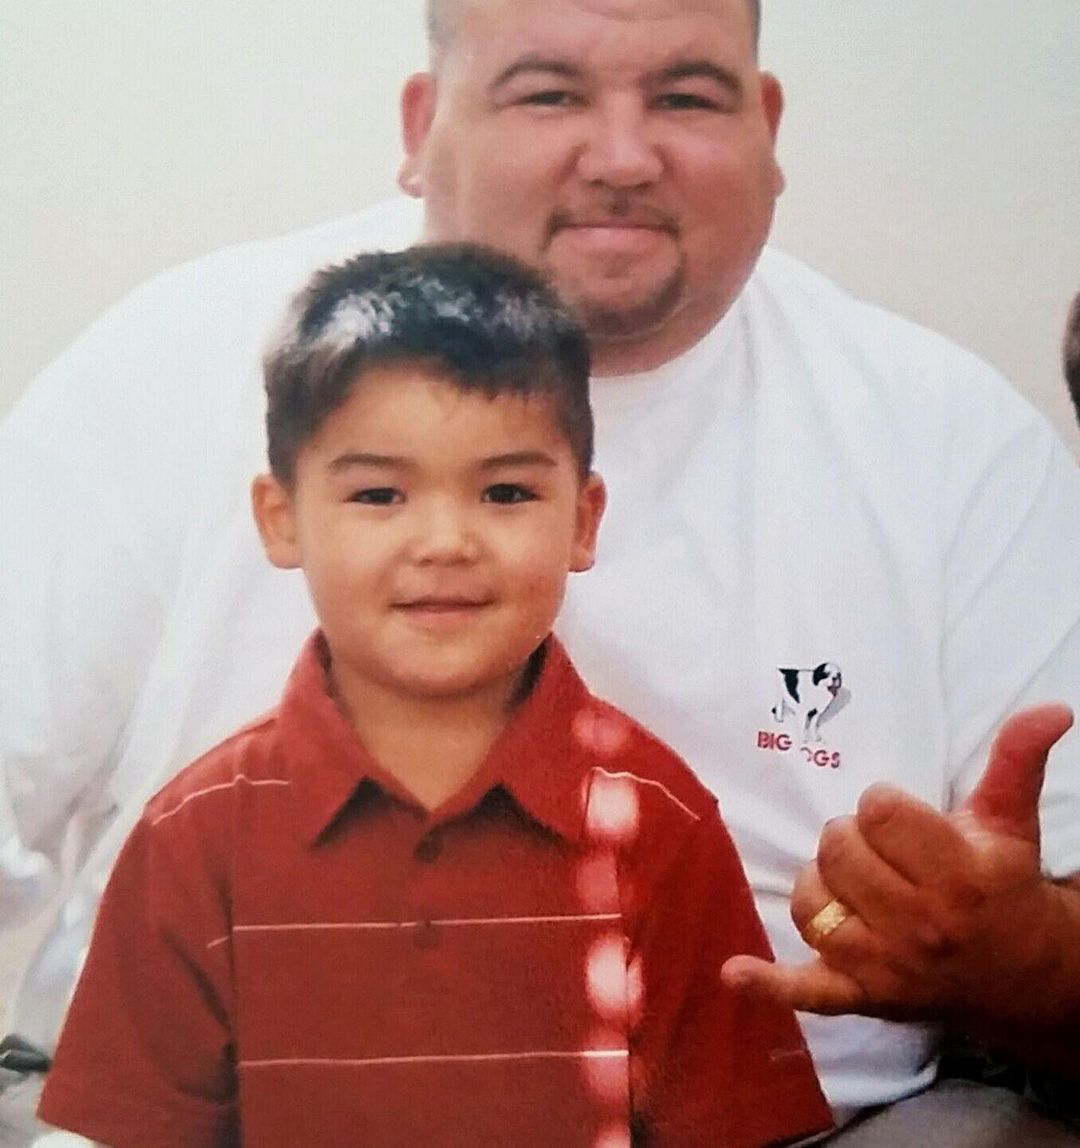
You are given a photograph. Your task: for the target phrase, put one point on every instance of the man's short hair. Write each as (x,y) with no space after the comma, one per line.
(442,18)
(1070,354)
(474,317)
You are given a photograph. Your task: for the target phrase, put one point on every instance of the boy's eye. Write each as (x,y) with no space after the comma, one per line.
(377,496)
(506,493)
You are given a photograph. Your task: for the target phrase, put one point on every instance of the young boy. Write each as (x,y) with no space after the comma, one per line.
(441,895)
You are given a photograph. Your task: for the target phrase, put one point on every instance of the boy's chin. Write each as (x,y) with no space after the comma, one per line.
(461,686)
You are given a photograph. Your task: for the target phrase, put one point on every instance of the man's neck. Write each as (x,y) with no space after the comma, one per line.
(633,356)
(432,746)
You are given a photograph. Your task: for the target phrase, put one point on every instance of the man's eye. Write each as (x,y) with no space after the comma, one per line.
(685,101)
(550,98)
(506,493)
(377,496)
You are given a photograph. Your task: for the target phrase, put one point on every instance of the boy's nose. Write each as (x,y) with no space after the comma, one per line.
(445,534)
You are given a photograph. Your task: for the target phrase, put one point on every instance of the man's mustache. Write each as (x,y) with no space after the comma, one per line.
(618,211)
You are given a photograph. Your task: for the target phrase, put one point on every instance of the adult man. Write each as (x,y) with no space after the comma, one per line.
(783,465)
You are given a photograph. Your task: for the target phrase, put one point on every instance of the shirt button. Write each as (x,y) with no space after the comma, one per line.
(427,935)
(428,849)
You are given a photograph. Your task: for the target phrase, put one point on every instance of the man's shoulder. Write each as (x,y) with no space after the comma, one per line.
(194,333)
(866,363)
(178,359)
(287,259)
(226,298)
(790,291)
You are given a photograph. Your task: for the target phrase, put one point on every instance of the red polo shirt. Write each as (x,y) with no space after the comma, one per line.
(291,952)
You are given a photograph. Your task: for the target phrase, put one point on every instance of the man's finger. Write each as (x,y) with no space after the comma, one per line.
(850,869)
(1006,798)
(811,987)
(919,842)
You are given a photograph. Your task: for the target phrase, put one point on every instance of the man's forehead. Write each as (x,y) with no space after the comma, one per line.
(628,9)
(530,25)
(453,10)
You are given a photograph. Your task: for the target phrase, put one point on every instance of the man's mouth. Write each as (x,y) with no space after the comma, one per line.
(613,222)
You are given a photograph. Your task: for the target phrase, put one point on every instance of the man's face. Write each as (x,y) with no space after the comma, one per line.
(625,147)
(436,529)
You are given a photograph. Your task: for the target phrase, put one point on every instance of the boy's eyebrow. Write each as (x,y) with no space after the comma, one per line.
(363,458)
(701,69)
(492,462)
(518,458)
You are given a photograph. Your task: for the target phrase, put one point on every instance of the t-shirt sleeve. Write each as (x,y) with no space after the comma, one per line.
(95,523)
(709,1067)
(79,614)
(1012,621)
(145,1058)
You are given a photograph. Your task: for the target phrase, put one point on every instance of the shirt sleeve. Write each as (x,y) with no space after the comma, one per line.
(93,505)
(709,1067)
(1012,624)
(145,1058)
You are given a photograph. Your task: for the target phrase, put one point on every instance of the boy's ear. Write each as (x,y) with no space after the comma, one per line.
(417,112)
(592,498)
(275,516)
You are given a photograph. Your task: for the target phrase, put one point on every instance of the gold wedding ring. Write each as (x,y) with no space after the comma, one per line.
(825,921)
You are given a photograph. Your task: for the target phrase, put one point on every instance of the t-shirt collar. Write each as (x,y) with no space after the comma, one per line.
(615,396)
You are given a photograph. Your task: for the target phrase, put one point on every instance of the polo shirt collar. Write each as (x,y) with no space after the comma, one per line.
(537,758)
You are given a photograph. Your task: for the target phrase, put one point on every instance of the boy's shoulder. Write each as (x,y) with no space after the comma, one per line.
(203,789)
(664,824)
(608,750)
(625,749)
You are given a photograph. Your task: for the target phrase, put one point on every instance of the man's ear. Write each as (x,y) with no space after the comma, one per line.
(772,104)
(275,516)
(592,498)
(417,111)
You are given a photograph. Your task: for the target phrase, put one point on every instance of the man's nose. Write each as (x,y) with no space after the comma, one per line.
(620,150)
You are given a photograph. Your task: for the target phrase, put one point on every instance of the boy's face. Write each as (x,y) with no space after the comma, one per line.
(436,529)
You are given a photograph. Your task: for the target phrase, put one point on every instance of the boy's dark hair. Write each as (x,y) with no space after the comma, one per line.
(475,317)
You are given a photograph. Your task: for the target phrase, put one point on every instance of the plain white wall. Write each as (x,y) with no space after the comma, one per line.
(931,148)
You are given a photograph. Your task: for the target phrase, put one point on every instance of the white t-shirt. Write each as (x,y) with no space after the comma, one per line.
(817,485)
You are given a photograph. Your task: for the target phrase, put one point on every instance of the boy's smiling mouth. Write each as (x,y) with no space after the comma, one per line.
(436,608)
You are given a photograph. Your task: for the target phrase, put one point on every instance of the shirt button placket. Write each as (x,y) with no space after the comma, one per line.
(427,935)
(428,848)
(427,852)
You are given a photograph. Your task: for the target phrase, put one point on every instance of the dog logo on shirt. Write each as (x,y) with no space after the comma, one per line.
(809,695)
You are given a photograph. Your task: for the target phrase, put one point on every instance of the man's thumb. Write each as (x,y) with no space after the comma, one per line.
(1007,796)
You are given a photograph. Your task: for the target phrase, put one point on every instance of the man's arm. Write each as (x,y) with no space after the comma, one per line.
(80,611)
(114,455)
(944,917)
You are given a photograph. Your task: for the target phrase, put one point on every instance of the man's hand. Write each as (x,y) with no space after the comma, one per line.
(941,916)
